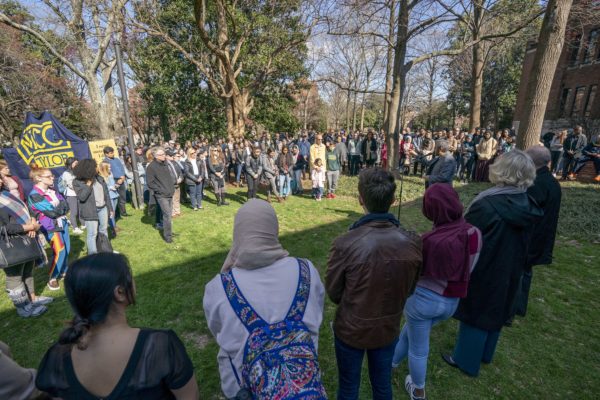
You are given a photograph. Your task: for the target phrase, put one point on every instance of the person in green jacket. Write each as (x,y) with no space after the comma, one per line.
(333,164)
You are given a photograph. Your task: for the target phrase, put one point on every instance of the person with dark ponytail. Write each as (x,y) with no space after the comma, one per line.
(99,355)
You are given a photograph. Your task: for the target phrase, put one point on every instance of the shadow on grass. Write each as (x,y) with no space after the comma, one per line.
(169,296)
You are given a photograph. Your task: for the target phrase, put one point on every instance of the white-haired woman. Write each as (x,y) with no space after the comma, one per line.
(505,216)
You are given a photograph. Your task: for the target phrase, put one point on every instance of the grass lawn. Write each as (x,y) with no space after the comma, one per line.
(552,354)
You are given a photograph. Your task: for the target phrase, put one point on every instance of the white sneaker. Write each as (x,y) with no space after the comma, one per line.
(77,231)
(410,388)
(82,227)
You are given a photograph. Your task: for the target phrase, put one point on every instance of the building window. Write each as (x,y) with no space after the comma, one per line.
(578,101)
(592,46)
(590,101)
(576,43)
(564,100)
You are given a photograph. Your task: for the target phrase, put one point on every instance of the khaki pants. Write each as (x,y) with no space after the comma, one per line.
(176,201)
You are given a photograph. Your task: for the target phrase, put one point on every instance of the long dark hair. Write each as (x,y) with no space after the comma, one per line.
(86,169)
(89,286)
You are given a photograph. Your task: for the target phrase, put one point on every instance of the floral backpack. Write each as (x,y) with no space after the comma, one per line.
(280,360)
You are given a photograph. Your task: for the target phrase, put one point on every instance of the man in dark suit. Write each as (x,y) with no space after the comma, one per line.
(547,194)
(443,167)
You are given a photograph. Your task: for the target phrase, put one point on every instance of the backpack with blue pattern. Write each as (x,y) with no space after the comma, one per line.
(280,359)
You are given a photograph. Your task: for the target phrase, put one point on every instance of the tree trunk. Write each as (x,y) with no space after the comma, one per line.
(348,111)
(547,54)
(99,109)
(305,110)
(241,105)
(354,111)
(477,67)
(399,74)
(362,112)
(390,61)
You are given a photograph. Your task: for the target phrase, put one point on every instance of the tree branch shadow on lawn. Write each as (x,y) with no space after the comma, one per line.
(170,297)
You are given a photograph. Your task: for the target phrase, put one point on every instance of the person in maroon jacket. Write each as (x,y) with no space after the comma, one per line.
(450,251)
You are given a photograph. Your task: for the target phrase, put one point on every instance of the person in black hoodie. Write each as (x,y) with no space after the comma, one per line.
(547,194)
(161,183)
(505,215)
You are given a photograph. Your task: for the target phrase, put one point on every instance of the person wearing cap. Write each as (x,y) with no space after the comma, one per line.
(118,170)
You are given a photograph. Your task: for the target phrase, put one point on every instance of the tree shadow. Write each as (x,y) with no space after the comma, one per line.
(170,297)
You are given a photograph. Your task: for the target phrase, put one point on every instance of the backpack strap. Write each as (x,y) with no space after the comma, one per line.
(242,308)
(296,311)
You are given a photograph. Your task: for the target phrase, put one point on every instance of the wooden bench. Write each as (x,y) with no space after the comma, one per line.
(587,173)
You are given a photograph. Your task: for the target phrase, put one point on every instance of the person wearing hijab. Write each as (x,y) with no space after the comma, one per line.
(506,215)
(268,278)
(450,251)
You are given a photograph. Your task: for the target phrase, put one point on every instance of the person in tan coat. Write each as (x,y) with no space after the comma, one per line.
(486,150)
(371,271)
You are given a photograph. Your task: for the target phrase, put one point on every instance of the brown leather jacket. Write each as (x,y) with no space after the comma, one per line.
(371,271)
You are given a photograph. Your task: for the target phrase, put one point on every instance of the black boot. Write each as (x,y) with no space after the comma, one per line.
(223,202)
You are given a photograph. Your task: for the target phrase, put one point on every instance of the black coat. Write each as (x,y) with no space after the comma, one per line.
(547,194)
(159,179)
(505,221)
(191,179)
(87,201)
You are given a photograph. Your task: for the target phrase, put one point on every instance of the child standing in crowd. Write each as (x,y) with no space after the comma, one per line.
(318,179)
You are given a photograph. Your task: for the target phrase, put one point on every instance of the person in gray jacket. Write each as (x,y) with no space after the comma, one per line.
(254,168)
(443,167)
(269,173)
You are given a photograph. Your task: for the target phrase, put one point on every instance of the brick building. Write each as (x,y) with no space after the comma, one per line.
(575,93)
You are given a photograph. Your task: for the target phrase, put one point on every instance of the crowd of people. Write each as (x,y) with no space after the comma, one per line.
(265,307)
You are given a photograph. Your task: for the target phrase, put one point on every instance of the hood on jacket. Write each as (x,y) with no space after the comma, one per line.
(441,204)
(518,210)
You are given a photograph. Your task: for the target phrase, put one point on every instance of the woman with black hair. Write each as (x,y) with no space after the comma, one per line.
(95,206)
(217,170)
(65,187)
(100,355)
(369,150)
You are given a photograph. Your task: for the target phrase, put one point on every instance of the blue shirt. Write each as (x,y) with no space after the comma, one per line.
(116,167)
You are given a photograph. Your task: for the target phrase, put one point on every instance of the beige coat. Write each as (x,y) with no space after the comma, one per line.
(486,149)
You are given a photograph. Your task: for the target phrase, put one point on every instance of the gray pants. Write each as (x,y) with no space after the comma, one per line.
(19,283)
(166,206)
(332,180)
(74,210)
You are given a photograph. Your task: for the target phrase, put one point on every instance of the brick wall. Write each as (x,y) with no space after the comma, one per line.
(575,92)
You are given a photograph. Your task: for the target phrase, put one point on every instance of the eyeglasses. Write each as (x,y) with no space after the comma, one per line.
(46,176)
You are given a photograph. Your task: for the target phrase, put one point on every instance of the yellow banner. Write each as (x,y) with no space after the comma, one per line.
(97,147)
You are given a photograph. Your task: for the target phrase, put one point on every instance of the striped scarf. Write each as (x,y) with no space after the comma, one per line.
(15,207)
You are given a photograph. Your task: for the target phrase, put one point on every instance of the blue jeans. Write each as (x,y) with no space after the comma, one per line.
(112,220)
(238,172)
(284,185)
(195,192)
(298,179)
(349,362)
(93,227)
(422,310)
